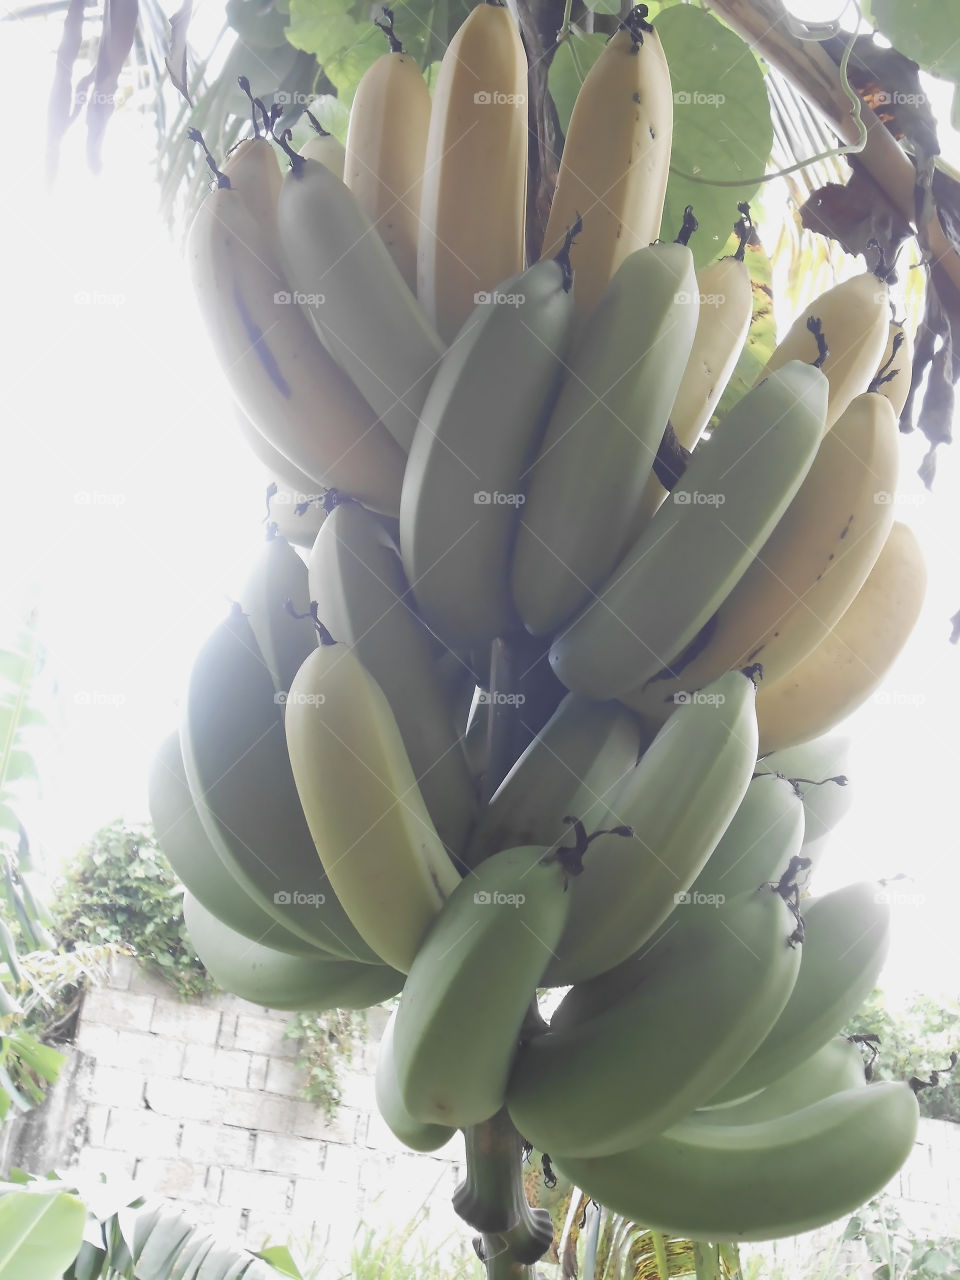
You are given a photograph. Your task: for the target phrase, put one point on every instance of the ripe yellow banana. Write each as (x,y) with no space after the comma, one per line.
(472,208)
(854,317)
(386,145)
(385,861)
(615,161)
(811,567)
(276,367)
(326,150)
(851,661)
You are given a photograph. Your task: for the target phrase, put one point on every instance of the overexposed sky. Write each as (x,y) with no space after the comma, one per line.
(130,514)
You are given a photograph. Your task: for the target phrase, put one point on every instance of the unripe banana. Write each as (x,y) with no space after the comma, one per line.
(239,773)
(571,767)
(187,848)
(366,814)
(359,303)
(818,770)
(735,489)
(896,366)
(759,1181)
(678,800)
(326,150)
(467,470)
(279,577)
(279,981)
(469,989)
(386,145)
(285,382)
(613,1081)
(615,160)
(473,203)
(809,570)
(603,435)
(766,831)
(854,319)
(846,937)
(853,659)
(364,601)
(255,175)
(414,1134)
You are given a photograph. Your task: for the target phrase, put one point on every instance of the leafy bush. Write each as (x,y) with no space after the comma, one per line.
(326,1042)
(120,889)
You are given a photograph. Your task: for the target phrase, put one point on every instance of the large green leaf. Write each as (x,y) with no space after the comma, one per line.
(41,1232)
(924,30)
(722,128)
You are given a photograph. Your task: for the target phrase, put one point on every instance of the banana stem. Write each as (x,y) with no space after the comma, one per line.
(502,718)
(499,1262)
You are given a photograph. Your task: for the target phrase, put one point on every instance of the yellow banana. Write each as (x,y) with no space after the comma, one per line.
(615,161)
(473,200)
(325,149)
(896,366)
(851,661)
(386,145)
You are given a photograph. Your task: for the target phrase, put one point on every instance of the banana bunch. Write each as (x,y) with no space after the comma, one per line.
(547,699)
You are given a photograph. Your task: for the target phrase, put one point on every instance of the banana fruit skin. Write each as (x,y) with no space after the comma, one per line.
(734,490)
(255,175)
(759,1181)
(470,987)
(326,150)
(900,364)
(361,307)
(239,774)
(467,468)
(607,1084)
(811,567)
(417,1136)
(812,766)
(855,317)
(570,768)
(847,934)
(285,382)
(364,601)
(278,981)
(386,145)
(363,806)
(473,202)
(187,848)
(603,434)
(854,657)
(280,575)
(615,162)
(679,800)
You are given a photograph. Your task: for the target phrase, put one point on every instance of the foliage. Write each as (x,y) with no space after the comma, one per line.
(120,889)
(924,30)
(325,1042)
(914,1041)
(391,1257)
(892,1246)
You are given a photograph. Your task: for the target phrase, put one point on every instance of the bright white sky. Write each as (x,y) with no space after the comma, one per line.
(131,516)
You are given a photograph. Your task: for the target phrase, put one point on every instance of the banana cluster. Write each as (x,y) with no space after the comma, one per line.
(544,704)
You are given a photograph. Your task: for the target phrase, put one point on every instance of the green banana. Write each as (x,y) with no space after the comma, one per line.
(239,774)
(679,800)
(479,429)
(359,302)
(819,769)
(764,834)
(187,848)
(570,767)
(702,999)
(834,1067)
(280,981)
(734,490)
(846,936)
(603,435)
(413,1134)
(759,1181)
(463,1006)
(280,575)
(363,598)
(366,814)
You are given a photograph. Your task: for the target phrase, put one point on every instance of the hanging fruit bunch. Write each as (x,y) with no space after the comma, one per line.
(544,703)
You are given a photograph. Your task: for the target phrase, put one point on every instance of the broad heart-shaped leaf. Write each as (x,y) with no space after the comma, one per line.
(41,1232)
(762,337)
(924,30)
(722,128)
